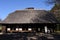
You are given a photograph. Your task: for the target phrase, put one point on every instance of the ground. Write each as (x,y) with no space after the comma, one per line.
(29,36)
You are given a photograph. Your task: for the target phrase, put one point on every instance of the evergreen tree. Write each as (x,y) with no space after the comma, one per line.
(0,19)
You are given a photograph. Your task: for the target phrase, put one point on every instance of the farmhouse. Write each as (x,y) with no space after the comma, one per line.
(28,20)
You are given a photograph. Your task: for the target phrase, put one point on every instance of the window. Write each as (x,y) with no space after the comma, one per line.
(8,29)
(17,29)
(20,29)
(29,29)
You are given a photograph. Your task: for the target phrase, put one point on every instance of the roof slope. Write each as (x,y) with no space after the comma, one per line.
(30,16)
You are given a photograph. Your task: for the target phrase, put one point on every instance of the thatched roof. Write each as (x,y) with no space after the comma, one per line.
(30,16)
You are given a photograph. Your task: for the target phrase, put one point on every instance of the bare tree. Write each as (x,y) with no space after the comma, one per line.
(53,1)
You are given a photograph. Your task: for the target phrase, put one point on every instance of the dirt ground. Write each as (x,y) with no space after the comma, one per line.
(27,36)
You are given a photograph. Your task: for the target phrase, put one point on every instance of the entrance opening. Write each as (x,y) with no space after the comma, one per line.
(45,29)
(0,29)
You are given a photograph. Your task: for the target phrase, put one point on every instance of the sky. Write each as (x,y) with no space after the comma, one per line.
(9,6)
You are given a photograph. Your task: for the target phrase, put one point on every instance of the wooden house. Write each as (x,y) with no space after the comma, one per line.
(28,20)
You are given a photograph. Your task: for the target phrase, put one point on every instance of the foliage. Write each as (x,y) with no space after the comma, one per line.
(56,11)
(56,7)
(0,19)
(53,1)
